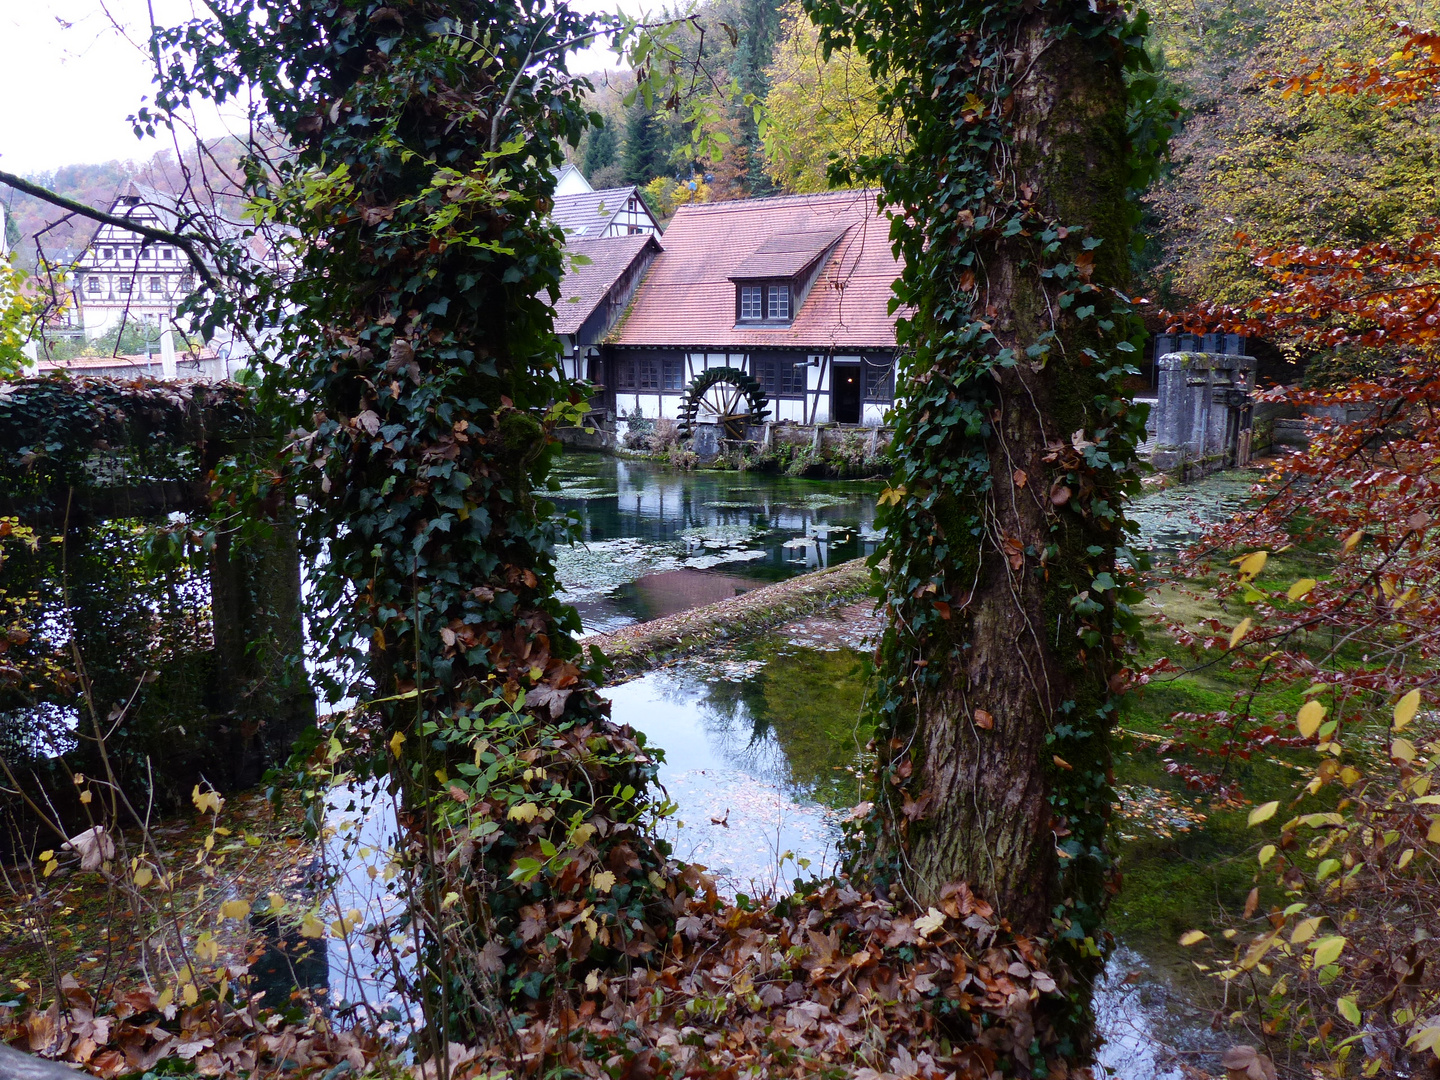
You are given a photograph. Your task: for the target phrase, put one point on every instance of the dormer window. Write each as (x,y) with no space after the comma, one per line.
(752,303)
(777,303)
(767,302)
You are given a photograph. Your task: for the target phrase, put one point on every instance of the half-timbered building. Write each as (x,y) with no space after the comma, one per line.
(788,295)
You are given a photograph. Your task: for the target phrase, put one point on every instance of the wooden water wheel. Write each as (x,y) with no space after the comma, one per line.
(725,397)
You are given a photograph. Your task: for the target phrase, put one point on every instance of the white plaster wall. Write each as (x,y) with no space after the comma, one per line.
(872,414)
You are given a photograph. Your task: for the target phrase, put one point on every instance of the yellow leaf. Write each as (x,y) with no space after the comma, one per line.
(1301,588)
(1405,857)
(1406,708)
(1353,539)
(1349,774)
(396,742)
(603,881)
(1239,632)
(234,909)
(1191,937)
(46,856)
(85,797)
(930,922)
(207,801)
(1328,950)
(143,877)
(1310,716)
(1252,564)
(1402,750)
(277,903)
(311,927)
(1305,930)
(592,982)
(164,1001)
(1264,812)
(190,994)
(1266,854)
(450,900)
(206,947)
(524,812)
(1434,834)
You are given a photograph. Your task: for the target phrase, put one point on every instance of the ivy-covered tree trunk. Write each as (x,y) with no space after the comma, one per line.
(1014,212)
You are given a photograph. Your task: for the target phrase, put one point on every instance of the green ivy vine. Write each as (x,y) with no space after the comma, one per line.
(963,216)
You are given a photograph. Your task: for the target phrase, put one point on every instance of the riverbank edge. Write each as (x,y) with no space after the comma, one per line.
(641,647)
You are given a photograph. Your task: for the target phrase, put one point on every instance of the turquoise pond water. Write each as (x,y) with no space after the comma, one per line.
(654,541)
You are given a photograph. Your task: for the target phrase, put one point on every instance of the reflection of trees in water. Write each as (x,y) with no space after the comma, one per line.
(797,722)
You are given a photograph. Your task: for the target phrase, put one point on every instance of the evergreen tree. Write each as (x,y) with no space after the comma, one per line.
(646,146)
(600,149)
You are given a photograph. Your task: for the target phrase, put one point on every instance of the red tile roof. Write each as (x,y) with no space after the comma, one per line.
(586,285)
(687,299)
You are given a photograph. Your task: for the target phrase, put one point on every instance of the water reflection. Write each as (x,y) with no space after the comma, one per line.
(654,541)
(760,752)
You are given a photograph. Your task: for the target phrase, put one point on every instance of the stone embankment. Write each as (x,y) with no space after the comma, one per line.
(643,646)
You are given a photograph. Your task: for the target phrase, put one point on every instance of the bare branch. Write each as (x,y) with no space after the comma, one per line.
(185,244)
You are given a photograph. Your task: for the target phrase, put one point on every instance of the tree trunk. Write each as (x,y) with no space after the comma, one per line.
(999,749)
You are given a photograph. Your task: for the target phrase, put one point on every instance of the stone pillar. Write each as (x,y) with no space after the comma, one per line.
(1202,400)
(260,677)
(167,355)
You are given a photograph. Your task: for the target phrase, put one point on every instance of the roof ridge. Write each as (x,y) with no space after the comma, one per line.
(816,195)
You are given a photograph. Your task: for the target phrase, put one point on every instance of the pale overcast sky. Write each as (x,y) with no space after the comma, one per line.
(68,78)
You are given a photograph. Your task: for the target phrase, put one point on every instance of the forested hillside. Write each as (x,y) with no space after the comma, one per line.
(1280,168)
(1248,161)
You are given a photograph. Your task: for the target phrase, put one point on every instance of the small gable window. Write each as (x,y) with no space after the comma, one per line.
(769,301)
(778,302)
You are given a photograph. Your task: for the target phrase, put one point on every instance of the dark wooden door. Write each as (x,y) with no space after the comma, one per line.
(845,394)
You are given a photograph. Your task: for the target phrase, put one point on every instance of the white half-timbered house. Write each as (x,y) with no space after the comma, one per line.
(122,276)
(793,291)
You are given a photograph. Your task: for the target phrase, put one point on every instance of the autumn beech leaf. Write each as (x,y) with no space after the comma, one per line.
(1402,750)
(1353,539)
(1406,708)
(1301,588)
(1328,950)
(1264,812)
(1252,564)
(234,909)
(1309,718)
(1305,930)
(1266,854)
(1192,937)
(1238,634)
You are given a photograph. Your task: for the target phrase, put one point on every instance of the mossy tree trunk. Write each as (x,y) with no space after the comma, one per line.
(1013,446)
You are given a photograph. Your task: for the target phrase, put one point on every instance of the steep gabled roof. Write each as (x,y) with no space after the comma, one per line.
(688,297)
(585,286)
(587,214)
